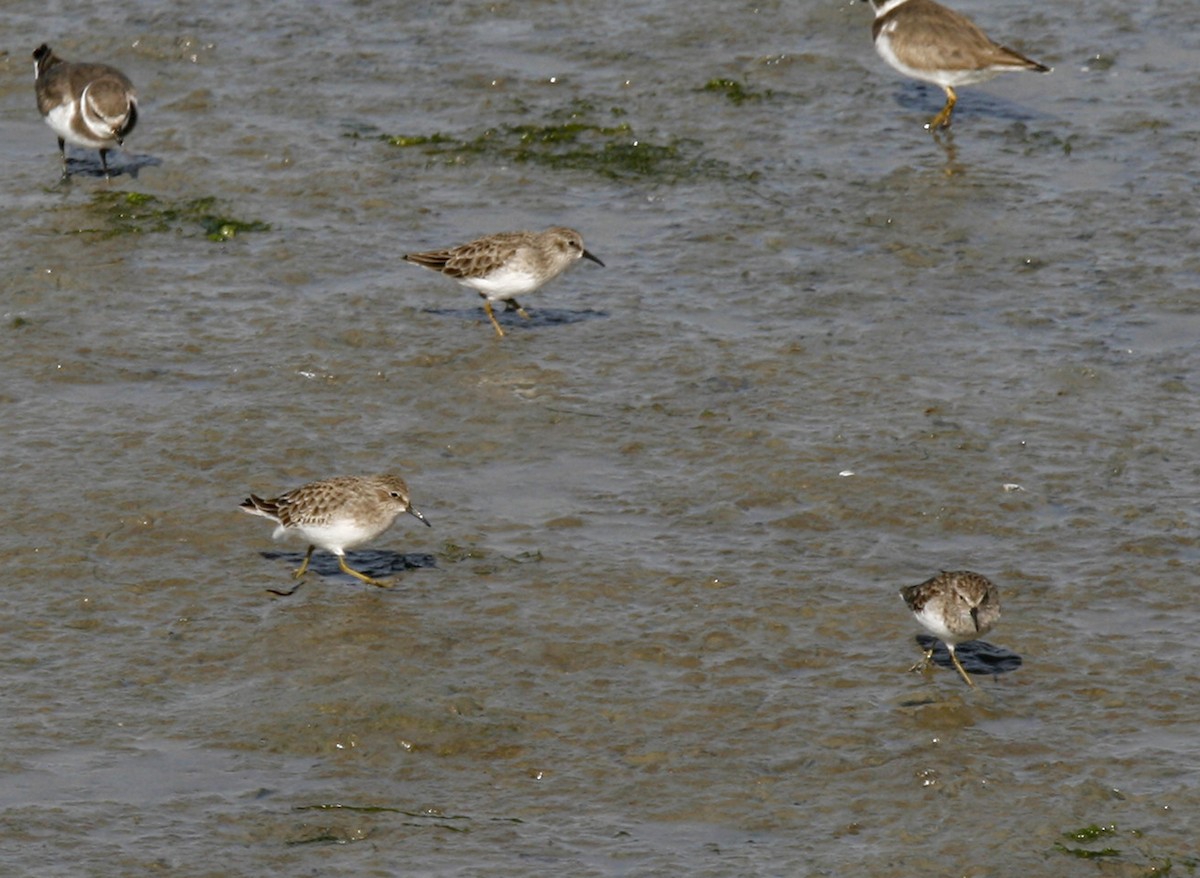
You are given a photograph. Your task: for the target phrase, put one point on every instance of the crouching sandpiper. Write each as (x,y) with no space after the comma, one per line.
(503,266)
(954,607)
(335,515)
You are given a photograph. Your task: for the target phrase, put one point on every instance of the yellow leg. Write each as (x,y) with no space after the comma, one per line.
(487,307)
(360,576)
(514,305)
(303,567)
(923,663)
(942,119)
(961,670)
(299,573)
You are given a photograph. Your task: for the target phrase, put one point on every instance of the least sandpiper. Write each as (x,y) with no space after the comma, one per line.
(954,607)
(508,264)
(930,42)
(336,514)
(90,105)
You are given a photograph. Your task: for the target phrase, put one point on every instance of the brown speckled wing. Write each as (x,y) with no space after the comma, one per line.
(258,505)
(917,596)
(310,504)
(432,259)
(475,259)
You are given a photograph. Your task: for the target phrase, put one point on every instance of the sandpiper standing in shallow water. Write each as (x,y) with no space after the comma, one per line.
(954,607)
(930,42)
(503,266)
(336,514)
(89,105)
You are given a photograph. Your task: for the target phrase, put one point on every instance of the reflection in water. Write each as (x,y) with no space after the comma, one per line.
(944,138)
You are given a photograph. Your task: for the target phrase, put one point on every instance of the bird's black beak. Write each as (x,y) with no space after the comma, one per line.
(587,255)
(412,510)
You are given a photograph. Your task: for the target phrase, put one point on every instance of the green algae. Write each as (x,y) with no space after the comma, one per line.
(1086,853)
(1094,842)
(136,213)
(580,137)
(417,140)
(329,835)
(428,814)
(734,91)
(1091,833)
(452,552)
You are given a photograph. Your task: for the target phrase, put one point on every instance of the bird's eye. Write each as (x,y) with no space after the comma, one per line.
(395,494)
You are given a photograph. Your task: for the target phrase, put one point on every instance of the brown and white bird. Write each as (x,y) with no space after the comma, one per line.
(933,43)
(954,607)
(89,105)
(505,265)
(336,514)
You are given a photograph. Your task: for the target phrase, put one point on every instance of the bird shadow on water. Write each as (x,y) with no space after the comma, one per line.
(977,656)
(374,563)
(130,166)
(509,320)
(920,97)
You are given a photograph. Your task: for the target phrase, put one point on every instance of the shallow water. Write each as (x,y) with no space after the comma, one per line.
(828,356)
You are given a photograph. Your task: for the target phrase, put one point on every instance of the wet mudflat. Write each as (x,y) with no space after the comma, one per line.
(655,627)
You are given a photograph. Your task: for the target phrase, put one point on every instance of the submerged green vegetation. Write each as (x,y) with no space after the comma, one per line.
(735,91)
(334,833)
(1091,832)
(1095,842)
(136,213)
(579,137)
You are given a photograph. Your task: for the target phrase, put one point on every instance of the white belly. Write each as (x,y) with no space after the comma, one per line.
(62,120)
(336,537)
(503,283)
